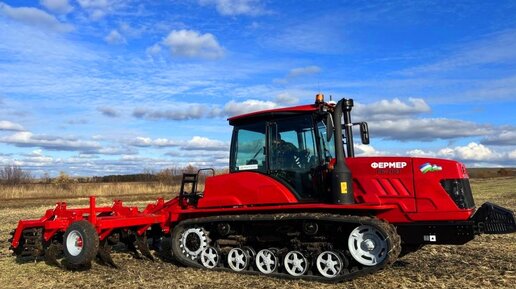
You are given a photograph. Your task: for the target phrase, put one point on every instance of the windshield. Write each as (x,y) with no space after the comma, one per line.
(327,147)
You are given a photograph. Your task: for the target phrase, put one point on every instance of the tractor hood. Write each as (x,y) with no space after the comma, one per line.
(417,184)
(420,167)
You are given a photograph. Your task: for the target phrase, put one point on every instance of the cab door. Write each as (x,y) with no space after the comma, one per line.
(293,155)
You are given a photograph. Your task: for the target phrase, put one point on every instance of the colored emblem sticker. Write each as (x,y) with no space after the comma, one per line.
(343,187)
(427,167)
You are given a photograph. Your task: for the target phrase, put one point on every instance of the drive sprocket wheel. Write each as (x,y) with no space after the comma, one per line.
(193,241)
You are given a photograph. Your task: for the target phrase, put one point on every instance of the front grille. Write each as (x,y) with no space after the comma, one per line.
(460,191)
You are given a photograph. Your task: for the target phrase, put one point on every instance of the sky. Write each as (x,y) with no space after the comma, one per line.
(99,87)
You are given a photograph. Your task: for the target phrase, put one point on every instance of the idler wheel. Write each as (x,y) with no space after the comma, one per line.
(368,245)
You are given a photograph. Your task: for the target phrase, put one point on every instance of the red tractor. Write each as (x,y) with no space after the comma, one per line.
(296,203)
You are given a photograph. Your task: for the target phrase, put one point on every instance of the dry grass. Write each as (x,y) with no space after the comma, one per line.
(487,262)
(76,190)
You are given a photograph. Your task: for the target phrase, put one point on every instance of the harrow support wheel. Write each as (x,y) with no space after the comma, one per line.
(80,244)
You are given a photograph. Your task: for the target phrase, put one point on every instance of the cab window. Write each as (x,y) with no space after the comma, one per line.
(249,146)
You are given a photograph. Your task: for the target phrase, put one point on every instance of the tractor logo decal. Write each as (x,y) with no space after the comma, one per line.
(427,167)
(388,165)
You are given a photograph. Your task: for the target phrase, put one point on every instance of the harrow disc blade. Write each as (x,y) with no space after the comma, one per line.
(143,246)
(52,253)
(104,254)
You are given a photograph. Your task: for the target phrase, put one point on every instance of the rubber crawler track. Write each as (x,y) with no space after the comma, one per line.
(392,237)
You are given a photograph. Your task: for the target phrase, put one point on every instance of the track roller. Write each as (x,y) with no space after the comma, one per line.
(296,264)
(266,261)
(210,257)
(329,264)
(238,260)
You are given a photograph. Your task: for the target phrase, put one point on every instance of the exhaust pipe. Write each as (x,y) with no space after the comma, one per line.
(341,180)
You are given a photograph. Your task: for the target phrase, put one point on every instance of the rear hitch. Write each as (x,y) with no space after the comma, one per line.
(493,219)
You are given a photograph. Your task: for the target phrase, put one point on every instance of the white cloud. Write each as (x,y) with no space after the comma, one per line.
(472,152)
(108,111)
(286,98)
(236,7)
(154,49)
(233,108)
(7,125)
(97,9)
(295,72)
(321,34)
(34,17)
(187,111)
(495,48)
(197,143)
(159,142)
(396,119)
(132,31)
(115,151)
(512,155)
(507,136)
(181,111)
(28,139)
(420,153)
(426,129)
(114,37)
(205,144)
(77,121)
(367,150)
(57,6)
(190,43)
(391,109)
(475,152)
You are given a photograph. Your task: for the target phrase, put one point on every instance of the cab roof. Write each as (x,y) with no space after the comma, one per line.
(273,112)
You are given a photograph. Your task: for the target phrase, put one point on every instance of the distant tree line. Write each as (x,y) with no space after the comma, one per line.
(15,175)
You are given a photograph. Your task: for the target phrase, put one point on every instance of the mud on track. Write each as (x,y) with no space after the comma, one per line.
(487,262)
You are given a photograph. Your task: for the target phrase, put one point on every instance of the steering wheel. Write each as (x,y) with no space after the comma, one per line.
(301,158)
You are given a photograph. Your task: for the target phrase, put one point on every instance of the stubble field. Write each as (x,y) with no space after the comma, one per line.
(487,262)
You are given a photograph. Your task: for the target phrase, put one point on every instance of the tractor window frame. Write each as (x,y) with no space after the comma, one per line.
(235,164)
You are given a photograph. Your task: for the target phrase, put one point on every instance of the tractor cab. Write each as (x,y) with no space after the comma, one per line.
(295,146)
(289,148)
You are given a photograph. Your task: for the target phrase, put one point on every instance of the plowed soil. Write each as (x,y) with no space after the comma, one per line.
(487,262)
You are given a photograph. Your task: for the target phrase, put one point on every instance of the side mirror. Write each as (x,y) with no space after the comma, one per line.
(329,127)
(364,132)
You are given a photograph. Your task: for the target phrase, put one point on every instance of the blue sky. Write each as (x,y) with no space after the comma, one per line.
(95,87)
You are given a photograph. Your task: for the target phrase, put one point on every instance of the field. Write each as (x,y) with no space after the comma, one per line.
(487,262)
